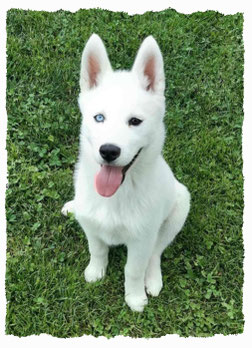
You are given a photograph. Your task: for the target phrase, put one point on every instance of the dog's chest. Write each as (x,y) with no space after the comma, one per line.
(112,229)
(113,223)
(113,235)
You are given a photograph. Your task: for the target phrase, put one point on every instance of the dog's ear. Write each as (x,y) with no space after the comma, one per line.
(94,63)
(149,66)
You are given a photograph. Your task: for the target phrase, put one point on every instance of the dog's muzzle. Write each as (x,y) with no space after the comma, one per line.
(109,178)
(129,165)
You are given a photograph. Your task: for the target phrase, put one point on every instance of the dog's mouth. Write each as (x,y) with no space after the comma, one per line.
(109,178)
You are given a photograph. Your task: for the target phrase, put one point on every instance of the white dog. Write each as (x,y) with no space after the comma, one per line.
(125,193)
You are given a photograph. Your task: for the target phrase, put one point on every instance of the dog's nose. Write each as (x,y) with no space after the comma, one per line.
(110,152)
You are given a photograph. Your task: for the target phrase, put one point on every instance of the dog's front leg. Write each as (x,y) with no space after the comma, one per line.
(139,253)
(97,266)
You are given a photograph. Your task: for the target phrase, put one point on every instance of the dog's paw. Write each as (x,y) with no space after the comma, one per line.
(68,208)
(93,273)
(154,283)
(136,303)
(153,286)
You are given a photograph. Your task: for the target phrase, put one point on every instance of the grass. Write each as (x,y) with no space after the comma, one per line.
(46,252)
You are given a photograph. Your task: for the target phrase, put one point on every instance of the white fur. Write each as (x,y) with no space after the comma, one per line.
(151,206)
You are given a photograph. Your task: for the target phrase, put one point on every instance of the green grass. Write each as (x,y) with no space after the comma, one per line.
(46,252)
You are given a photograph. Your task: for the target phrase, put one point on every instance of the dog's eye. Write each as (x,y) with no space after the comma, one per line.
(134,121)
(99,118)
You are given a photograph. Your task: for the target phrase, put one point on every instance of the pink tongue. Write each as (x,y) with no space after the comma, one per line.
(108,179)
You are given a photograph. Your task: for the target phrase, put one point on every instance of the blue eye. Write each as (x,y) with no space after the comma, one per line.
(99,118)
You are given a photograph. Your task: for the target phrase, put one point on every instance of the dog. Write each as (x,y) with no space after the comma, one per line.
(125,192)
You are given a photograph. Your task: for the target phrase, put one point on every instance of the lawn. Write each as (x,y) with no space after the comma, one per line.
(46,252)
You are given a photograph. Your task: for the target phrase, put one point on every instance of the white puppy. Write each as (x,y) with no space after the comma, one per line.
(125,192)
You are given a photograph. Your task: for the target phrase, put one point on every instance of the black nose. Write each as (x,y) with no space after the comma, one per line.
(110,152)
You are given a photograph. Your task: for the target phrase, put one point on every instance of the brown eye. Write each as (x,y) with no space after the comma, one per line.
(134,121)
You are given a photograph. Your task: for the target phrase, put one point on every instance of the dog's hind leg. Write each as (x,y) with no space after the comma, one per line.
(168,231)
(68,208)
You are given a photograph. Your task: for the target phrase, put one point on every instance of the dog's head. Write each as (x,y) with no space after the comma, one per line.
(122,110)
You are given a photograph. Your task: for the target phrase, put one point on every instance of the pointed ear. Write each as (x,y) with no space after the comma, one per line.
(149,66)
(94,63)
